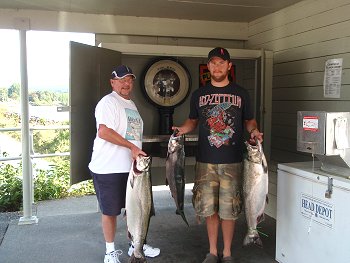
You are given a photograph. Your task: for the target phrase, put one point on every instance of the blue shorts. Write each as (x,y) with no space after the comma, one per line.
(110,192)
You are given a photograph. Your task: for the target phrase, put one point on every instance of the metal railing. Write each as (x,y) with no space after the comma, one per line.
(146,139)
(32,153)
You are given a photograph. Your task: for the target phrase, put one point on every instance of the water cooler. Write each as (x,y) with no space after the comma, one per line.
(313,198)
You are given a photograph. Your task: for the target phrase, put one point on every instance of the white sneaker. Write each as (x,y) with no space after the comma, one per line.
(113,257)
(149,251)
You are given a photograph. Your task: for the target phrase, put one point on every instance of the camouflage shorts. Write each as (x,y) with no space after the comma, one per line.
(218,189)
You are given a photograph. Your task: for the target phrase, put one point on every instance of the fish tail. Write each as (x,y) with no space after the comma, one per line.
(182,214)
(134,259)
(251,238)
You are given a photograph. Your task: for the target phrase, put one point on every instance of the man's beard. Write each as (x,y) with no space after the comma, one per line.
(219,78)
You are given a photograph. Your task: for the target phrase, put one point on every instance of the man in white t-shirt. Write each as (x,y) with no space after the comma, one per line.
(118,141)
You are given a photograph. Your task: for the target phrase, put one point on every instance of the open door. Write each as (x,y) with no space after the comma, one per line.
(258,99)
(90,70)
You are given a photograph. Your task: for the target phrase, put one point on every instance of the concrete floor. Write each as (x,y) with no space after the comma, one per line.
(69,230)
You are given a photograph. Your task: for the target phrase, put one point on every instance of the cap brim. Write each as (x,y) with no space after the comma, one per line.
(223,58)
(129,74)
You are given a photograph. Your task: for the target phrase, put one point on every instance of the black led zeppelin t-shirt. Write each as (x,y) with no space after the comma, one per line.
(221,112)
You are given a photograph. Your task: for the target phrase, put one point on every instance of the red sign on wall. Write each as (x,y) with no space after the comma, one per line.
(310,123)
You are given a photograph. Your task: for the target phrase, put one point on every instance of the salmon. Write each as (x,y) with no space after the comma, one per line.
(255,190)
(175,172)
(139,205)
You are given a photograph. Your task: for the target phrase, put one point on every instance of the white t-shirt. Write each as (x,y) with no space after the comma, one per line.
(122,116)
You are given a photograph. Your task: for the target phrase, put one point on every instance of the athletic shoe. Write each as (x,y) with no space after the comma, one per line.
(113,257)
(149,251)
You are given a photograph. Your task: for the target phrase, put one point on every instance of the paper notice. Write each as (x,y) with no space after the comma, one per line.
(332,78)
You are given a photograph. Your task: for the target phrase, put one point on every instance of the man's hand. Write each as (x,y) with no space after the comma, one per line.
(255,134)
(136,151)
(179,131)
(188,126)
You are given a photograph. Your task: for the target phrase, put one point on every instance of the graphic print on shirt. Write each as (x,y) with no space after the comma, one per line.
(134,126)
(219,111)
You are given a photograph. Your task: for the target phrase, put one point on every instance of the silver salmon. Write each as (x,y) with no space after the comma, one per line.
(255,190)
(139,205)
(175,172)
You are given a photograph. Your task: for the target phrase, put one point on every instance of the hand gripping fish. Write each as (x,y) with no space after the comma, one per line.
(255,190)
(139,205)
(175,172)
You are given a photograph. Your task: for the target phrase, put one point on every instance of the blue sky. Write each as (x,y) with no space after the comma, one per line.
(47,55)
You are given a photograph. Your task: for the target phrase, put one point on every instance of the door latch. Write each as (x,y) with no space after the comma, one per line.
(329,191)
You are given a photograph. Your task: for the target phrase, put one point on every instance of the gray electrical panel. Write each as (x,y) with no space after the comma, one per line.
(327,136)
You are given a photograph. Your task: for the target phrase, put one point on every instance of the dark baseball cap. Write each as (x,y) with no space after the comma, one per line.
(121,72)
(219,52)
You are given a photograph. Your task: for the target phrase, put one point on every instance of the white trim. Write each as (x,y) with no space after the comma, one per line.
(128,25)
(179,51)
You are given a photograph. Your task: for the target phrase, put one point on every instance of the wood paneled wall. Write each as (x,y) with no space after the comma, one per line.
(302,37)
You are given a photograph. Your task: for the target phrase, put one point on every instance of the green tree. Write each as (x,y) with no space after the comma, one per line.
(14,91)
(40,98)
(48,184)
(3,94)
(46,142)
(10,187)
(64,98)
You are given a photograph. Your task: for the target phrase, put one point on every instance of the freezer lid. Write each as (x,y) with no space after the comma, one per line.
(313,172)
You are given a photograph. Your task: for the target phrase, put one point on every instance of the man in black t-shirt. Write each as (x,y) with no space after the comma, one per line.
(221,110)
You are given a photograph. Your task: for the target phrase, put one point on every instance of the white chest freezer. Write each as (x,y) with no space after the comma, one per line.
(313,215)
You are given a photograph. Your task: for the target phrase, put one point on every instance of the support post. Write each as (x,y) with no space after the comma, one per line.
(27,183)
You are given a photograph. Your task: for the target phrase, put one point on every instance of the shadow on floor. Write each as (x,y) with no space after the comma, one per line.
(69,230)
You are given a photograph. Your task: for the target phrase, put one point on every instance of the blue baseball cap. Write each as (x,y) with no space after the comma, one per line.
(121,72)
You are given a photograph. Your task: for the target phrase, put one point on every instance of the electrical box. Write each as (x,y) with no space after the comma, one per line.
(326,135)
